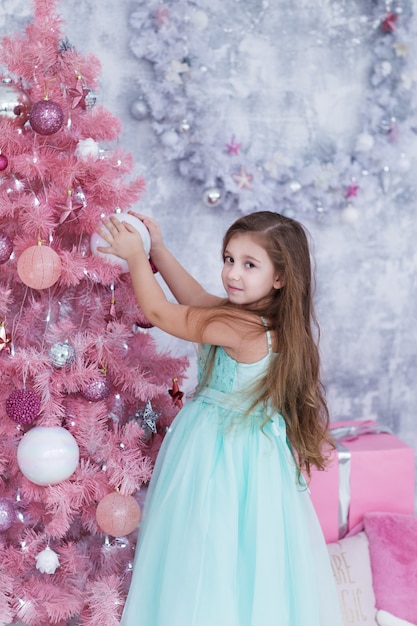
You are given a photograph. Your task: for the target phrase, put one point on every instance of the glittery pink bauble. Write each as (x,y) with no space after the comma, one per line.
(23,406)
(7,514)
(118,515)
(97,389)
(4,162)
(46,117)
(39,267)
(6,248)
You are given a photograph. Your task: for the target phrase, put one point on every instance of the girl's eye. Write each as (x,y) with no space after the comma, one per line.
(228,259)
(249,264)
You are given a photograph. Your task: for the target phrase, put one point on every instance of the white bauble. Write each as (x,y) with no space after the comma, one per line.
(97,241)
(47,455)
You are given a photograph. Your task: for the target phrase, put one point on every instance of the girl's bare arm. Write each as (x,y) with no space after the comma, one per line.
(175,319)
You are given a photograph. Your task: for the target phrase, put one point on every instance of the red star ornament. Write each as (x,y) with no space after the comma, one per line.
(388,25)
(78,94)
(176,394)
(352,191)
(233,147)
(161,16)
(73,202)
(243,179)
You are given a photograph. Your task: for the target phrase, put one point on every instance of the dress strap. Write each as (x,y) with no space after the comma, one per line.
(268,334)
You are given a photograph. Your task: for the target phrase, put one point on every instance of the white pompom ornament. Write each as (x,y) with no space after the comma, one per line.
(87,148)
(47,561)
(97,241)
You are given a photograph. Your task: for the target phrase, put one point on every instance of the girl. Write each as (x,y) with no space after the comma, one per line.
(229,536)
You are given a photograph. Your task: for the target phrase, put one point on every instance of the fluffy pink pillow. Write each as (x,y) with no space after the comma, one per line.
(351,567)
(393,551)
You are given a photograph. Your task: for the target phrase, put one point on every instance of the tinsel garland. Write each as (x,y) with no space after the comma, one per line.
(202,113)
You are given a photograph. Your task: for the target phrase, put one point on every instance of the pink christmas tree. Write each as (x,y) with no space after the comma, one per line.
(85,398)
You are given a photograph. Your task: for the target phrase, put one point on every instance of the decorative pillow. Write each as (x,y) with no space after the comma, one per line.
(386,619)
(351,567)
(393,551)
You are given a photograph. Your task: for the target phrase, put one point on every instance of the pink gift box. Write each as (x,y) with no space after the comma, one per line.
(371,470)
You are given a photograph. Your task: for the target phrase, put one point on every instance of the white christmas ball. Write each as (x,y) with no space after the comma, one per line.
(350,214)
(403,163)
(169,138)
(97,241)
(139,109)
(47,455)
(365,142)
(199,19)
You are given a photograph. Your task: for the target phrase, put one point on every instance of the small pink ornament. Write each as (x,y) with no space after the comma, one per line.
(4,162)
(7,514)
(97,389)
(23,406)
(6,248)
(118,515)
(39,267)
(46,117)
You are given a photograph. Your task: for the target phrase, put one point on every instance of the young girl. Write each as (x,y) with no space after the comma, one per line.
(229,536)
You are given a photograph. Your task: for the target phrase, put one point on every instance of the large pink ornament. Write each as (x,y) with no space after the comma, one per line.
(23,406)
(46,117)
(118,515)
(47,455)
(39,267)
(97,241)
(6,248)
(14,103)
(7,514)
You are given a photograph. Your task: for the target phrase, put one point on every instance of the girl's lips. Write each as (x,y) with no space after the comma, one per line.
(231,288)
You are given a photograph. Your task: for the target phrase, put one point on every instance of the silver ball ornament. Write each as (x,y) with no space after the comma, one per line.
(61,354)
(139,109)
(7,514)
(212,196)
(169,138)
(14,103)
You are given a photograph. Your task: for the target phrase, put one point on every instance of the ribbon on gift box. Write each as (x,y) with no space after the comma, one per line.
(346,433)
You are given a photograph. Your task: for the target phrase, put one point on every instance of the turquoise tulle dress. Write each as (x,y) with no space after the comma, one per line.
(228,536)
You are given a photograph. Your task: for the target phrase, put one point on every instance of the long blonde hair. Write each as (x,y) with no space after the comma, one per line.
(292,383)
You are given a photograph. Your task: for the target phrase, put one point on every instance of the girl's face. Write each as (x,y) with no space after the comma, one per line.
(248,274)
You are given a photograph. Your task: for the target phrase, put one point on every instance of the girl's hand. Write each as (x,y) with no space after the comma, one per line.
(154,231)
(123,239)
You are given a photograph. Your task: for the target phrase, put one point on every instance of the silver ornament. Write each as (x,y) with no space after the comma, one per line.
(90,99)
(169,138)
(61,354)
(148,418)
(139,109)
(212,196)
